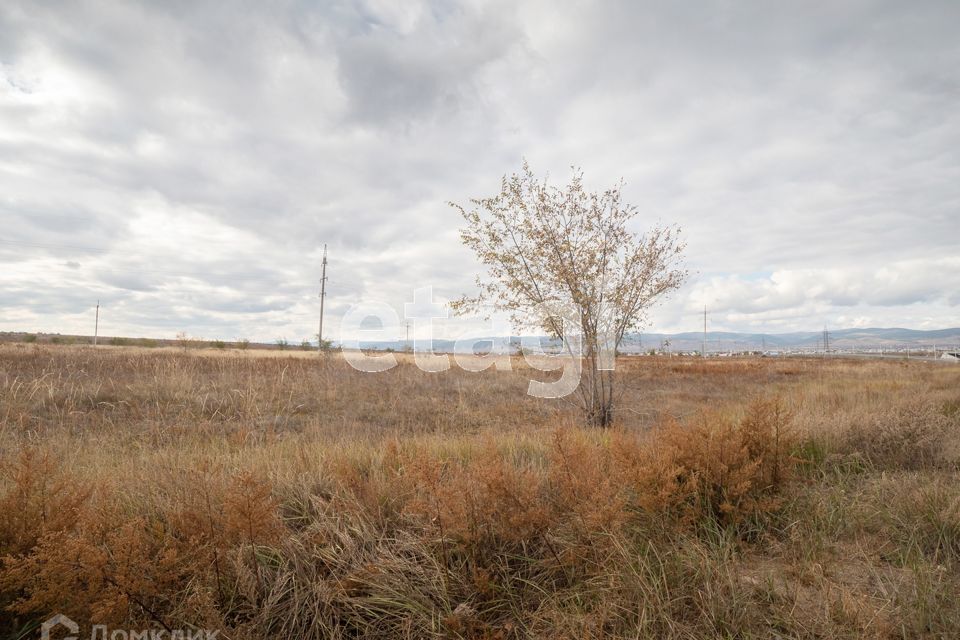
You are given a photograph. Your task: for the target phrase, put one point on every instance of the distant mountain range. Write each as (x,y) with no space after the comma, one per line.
(726,341)
(839,338)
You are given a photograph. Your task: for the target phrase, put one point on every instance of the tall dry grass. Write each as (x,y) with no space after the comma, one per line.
(297,497)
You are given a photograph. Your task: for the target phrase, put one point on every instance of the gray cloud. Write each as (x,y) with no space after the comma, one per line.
(192,158)
(397,69)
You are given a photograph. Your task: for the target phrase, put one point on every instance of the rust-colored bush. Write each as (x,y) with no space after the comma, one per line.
(251,511)
(109,569)
(736,467)
(36,499)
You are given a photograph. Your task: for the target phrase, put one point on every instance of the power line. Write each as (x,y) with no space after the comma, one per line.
(703,353)
(323,294)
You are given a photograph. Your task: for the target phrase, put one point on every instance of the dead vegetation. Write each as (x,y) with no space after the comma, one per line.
(295,498)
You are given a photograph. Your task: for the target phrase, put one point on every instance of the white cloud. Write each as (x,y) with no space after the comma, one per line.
(895,284)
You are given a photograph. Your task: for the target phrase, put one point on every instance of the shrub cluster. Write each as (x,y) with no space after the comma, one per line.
(379,541)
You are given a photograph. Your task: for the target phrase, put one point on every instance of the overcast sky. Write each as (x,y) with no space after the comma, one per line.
(185,162)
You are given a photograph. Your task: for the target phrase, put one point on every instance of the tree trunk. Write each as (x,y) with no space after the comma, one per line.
(600,416)
(597,397)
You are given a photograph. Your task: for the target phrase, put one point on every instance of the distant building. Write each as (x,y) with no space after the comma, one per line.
(951,355)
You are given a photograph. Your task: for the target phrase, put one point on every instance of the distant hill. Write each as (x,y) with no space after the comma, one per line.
(723,341)
(838,338)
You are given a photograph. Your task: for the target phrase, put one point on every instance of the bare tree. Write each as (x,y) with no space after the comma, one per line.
(557,255)
(183,339)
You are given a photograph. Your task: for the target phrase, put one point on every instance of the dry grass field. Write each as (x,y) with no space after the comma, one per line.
(292,497)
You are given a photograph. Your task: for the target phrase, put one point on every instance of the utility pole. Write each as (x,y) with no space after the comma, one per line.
(406,344)
(96,324)
(826,340)
(703,352)
(323,294)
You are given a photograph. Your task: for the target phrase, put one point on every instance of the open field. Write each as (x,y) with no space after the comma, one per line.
(289,496)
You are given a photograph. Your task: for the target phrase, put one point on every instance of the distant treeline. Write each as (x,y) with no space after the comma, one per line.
(150,343)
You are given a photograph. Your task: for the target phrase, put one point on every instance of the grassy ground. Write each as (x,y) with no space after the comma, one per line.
(289,496)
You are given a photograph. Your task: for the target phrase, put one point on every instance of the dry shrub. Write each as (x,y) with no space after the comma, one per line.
(583,482)
(111,566)
(376,484)
(251,511)
(586,484)
(37,499)
(733,468)
(100,572)
(482,500)
(913,435)
(38,502)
